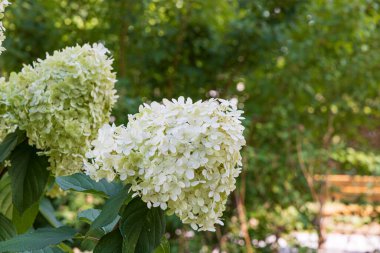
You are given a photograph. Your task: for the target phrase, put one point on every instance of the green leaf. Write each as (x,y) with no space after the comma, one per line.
(111,242)
(83,183)
(6,205)
(7,230)
(64,247)
(93,236)
(164,246)
(111,209)
(29,176)
(9,143)
(25,220)
(141,227)
(38,239)
(91,239)
(47,210)
(90,215)
(46,250)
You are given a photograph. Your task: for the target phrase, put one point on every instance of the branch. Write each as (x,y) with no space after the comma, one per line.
(309,179)
(243,223)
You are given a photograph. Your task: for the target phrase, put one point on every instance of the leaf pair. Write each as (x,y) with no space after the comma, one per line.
(142,228)
(139,229)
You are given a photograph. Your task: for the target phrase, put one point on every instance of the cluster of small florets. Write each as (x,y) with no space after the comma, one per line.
(8,124)
(62,101)
(181,156)
(3,4)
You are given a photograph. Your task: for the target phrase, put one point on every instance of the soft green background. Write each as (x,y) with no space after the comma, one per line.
(305,72)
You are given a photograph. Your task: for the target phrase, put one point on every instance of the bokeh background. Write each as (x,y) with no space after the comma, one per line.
(306,73)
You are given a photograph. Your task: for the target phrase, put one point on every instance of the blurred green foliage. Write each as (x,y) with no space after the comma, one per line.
(305,73)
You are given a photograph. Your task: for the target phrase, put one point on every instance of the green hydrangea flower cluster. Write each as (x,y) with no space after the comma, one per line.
(3,4)
(8,123)
(62,101)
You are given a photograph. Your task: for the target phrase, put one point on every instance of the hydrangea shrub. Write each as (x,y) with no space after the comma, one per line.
(175,157)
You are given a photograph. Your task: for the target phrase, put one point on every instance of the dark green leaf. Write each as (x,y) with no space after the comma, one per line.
(46,250)
(90,215)
(7,230)
(164,246)
(142,228)
(111,242)
(83,183)
(38,239)
(47,210)
(8,144)
(91,239)
(6,206)
(25,220)
(29,176)
(64,247)
(111,209)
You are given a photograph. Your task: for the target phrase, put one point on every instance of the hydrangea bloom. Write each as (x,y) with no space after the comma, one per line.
(8,124)
(62,101)
(181,156)
(3,4)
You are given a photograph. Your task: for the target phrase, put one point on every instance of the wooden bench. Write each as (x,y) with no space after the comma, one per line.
(344,196)
(351,188)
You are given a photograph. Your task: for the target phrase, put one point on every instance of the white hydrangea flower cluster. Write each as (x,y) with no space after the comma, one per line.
(3,4)
(181,156)
(62,101)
